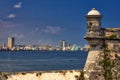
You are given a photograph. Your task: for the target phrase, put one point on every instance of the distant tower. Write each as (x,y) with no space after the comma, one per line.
(94,33)
(10,42)
(63,44)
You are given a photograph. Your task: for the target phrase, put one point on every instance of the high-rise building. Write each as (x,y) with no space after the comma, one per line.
(10,42)
(63,44)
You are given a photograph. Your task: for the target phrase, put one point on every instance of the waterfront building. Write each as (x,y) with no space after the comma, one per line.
(11,42)
(63,44)
(76,48)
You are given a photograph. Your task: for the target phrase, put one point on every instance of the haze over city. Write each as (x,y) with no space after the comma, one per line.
(49,21)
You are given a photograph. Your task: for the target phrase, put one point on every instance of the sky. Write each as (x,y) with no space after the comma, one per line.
(41,22)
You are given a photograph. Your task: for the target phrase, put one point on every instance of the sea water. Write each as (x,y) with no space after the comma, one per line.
(15,61)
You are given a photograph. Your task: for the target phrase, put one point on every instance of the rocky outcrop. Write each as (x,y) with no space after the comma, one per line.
(48,75)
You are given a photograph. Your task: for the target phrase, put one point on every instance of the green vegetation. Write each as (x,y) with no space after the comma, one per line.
(82,75)
(117,68)
(107,64)
(5,76)
(23,73)
(112,36)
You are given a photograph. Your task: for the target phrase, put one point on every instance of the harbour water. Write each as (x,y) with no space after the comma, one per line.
(15,61)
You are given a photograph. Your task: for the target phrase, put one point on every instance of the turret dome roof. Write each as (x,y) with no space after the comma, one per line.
(93,12)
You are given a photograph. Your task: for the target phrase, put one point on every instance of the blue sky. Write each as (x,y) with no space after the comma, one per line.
(41,22)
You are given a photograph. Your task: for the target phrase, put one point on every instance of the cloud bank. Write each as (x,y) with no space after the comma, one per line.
(18,5)
(11,16)
(6,24)
(52,29)
(18,35)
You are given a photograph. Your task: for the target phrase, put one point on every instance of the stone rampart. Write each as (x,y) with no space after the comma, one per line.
(91,62)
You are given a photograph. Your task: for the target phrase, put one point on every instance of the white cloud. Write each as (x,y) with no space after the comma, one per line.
(6,24)
(52,29)
(45,41)
(6,27)
(18,5)
(17,36)
(11,15)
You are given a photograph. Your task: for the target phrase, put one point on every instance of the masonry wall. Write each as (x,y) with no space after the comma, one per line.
(91,65)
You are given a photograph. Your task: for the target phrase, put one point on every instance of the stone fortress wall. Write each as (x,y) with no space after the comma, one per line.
(97,38)
(112,36)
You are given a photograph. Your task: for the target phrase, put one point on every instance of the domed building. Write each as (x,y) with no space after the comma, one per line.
(97,38)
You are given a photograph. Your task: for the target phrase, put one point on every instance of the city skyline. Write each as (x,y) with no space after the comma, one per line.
(49,21)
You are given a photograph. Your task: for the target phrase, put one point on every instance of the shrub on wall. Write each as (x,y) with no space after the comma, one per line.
(112,36)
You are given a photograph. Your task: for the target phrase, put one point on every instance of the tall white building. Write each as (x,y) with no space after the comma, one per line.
(63,44)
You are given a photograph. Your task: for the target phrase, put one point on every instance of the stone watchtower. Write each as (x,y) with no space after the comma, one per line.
(95,38)
(94,34)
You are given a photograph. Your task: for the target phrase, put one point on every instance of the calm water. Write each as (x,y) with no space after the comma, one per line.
(41,60)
